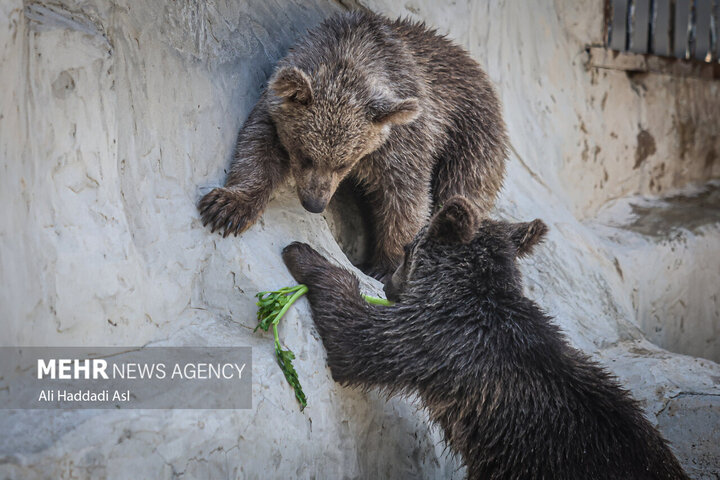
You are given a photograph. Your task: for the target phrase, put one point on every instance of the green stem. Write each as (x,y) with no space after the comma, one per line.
(299,290)
(378,301)
(275,334)
(299,293)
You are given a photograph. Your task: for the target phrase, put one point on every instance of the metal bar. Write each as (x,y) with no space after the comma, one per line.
(603,58)
(661,28)
(716,25)
(618,27)
(703,12)
(640,26)
(681,30)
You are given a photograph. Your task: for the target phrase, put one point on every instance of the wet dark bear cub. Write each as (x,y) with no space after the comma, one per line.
(492,369)
(391,106)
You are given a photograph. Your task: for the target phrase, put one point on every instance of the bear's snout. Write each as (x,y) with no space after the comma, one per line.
(392,293)
(314,205)
(315,192)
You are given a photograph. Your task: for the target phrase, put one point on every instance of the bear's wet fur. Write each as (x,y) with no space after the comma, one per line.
(511,395)
(391,105)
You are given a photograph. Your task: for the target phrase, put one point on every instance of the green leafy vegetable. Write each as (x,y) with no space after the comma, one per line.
(285,358)
(272,306)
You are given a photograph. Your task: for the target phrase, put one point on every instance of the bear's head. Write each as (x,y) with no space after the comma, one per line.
(327,121)
(460,251)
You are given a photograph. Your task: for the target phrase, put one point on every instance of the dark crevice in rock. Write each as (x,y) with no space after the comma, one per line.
(349,220)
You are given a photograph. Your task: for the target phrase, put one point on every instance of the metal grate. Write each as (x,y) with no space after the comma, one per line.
(686,29)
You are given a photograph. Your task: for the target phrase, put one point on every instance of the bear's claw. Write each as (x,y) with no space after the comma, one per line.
(226,211)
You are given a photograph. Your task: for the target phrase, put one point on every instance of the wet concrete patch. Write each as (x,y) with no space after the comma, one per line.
(688,212)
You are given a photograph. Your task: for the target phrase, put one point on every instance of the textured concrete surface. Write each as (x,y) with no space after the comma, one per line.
(117,115)
(667,252)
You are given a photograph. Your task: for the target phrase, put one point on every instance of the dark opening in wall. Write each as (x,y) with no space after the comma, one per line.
(349,219)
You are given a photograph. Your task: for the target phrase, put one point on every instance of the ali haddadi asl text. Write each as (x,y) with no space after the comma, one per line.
(83,396)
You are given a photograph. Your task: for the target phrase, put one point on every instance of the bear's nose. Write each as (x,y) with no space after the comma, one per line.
(313,205)
(391,292)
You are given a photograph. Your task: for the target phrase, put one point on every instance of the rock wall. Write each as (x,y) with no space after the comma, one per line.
(117,115)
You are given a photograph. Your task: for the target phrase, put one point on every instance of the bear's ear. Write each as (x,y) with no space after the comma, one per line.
(456,222)
(526,235)
(292,84)
(385,111)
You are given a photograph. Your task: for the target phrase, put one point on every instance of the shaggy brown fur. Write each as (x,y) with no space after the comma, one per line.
(495,373)
(394,106)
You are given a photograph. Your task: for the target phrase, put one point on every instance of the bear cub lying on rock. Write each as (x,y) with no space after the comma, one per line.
(492,369)
(390,105)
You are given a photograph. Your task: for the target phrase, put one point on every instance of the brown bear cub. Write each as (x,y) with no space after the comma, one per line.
(391,105)
(492,369)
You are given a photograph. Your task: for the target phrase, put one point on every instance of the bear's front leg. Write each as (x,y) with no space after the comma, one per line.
(260,165)
(400,212)
(359,352)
